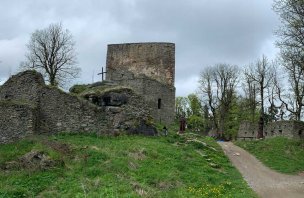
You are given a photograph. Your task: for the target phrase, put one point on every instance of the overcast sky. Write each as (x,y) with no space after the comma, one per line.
(205,32)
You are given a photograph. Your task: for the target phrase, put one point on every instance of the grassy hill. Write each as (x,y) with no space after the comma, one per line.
(279,153)
(124,166)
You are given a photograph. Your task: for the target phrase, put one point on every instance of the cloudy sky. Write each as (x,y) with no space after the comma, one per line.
(205,32)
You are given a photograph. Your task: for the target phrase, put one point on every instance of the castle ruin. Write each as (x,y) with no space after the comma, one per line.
(149,69)
(139,87)
(29,107)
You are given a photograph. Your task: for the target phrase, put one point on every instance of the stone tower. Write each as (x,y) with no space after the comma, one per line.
(149,69)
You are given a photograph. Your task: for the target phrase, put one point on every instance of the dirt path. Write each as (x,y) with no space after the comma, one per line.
(264,181)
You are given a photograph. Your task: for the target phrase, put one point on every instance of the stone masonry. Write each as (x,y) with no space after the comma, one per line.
(291,129)
(28,106)
(17,120)
(149,69)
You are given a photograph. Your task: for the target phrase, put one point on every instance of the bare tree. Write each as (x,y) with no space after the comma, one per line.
(292,95)
(291,32)
(218,85)
(250,90)
(51,51)
(261,73)
(225,77)
(291,44)
(206,88)
(273,97)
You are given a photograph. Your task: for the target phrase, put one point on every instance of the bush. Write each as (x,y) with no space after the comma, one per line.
(77,89)
(195,123)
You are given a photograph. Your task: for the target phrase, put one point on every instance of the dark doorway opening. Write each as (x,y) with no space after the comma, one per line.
(95,100)
(106,101)
(159,103)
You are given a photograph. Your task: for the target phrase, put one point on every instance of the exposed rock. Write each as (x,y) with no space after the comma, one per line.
(213,165)
(36,160)
(144,129)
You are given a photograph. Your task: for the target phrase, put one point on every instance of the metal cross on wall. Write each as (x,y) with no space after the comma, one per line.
(102,73)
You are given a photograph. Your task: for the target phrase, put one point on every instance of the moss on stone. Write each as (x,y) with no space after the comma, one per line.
(77,89)
(17,103)
(100,90)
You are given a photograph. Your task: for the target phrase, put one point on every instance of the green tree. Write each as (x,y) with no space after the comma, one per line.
(195,105)
(291,37)
(196,123)
(233,120)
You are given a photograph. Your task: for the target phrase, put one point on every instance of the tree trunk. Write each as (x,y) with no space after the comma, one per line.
(261,120)
(261,127)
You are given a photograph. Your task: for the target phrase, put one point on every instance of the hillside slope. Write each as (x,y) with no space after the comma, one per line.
(124,166)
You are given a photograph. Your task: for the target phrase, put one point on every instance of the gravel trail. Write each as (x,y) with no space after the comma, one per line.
(264,181)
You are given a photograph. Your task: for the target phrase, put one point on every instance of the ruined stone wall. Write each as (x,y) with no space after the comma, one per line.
(248,129)
(154,60)
(291,129)
(298,131)
(148,68)
(132,116)
(17,120)
(28,106)
(61,112)
(24,86)
(55,110)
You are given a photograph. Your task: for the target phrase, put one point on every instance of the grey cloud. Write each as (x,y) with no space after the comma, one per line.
(205,31)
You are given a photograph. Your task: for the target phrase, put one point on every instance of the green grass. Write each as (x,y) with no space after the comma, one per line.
(279,153)
(124,166)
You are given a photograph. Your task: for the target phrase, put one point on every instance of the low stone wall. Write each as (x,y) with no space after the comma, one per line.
(17,120)
(286,128)
(291,129)
(248,130)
